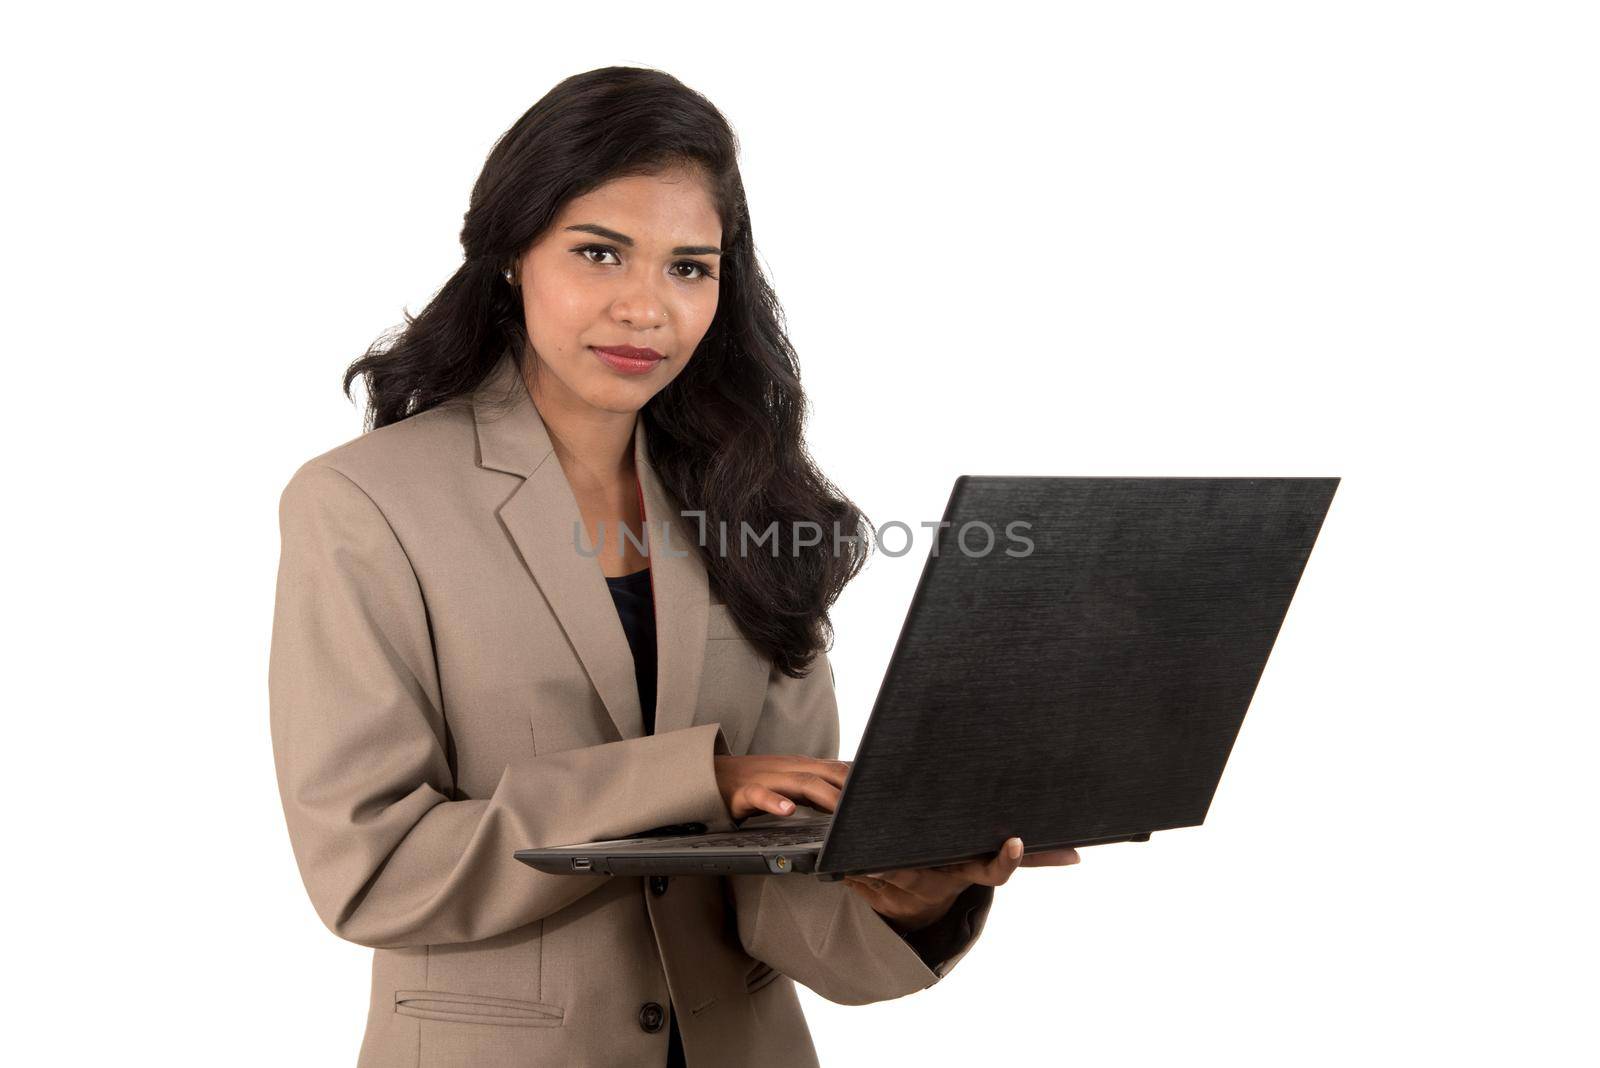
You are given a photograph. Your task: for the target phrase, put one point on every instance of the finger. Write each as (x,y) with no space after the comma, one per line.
(760,798)
(991,872)
(998,871)
(965,869)
(811,790)
(889,900)
(927,884)
(1051,858)
(869,894)
(834,771)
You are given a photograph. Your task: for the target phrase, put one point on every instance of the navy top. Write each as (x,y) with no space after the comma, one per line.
(637,610)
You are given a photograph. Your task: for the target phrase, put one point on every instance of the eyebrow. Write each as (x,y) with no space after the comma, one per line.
(624,239)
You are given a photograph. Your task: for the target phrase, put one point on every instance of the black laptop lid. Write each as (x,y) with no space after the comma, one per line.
(1088,690)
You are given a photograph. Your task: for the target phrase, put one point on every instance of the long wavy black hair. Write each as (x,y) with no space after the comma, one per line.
(726,435)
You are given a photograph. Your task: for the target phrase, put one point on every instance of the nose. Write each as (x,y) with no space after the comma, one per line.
(639,305)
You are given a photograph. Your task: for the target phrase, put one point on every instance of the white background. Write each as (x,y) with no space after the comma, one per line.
(1354,239)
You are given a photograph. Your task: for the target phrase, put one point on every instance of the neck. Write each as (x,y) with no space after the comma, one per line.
(595,447)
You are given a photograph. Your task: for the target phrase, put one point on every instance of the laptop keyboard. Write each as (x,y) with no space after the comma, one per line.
(789,834)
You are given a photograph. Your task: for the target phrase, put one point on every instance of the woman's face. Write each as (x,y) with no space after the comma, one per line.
(632,264)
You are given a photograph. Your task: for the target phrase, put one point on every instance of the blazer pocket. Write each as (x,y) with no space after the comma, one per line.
(476,1008)
(761,975)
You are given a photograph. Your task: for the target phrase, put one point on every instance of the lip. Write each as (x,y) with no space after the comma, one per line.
(627,359)
(629,351)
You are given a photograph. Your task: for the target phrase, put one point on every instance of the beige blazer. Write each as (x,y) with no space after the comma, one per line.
(450,682)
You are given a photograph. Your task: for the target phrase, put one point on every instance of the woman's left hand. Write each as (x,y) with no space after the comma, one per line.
(912,898)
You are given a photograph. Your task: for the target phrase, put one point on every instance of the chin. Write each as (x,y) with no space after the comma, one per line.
(620,401)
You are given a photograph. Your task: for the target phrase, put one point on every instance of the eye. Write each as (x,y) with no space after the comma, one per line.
(705,272)
(607,250)
(604,250)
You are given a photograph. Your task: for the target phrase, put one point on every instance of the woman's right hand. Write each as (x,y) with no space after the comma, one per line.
(767,782)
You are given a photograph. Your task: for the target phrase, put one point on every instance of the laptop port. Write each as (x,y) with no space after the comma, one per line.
(582,864)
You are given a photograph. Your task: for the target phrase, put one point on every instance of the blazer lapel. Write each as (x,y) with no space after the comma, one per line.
(542,516)
(678,580)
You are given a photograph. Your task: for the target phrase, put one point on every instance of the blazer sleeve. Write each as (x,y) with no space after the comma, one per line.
(820,933)
(390,854)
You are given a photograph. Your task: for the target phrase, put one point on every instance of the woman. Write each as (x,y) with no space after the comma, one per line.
(457,674)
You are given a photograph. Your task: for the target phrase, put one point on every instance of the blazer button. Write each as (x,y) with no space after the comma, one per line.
(651,1016)
(658,885)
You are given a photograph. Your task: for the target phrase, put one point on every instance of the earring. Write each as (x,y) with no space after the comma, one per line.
(508,274)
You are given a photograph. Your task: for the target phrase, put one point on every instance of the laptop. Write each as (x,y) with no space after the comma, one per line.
(1074,668)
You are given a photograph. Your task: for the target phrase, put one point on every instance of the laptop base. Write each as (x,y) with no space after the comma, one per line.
(720,854)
